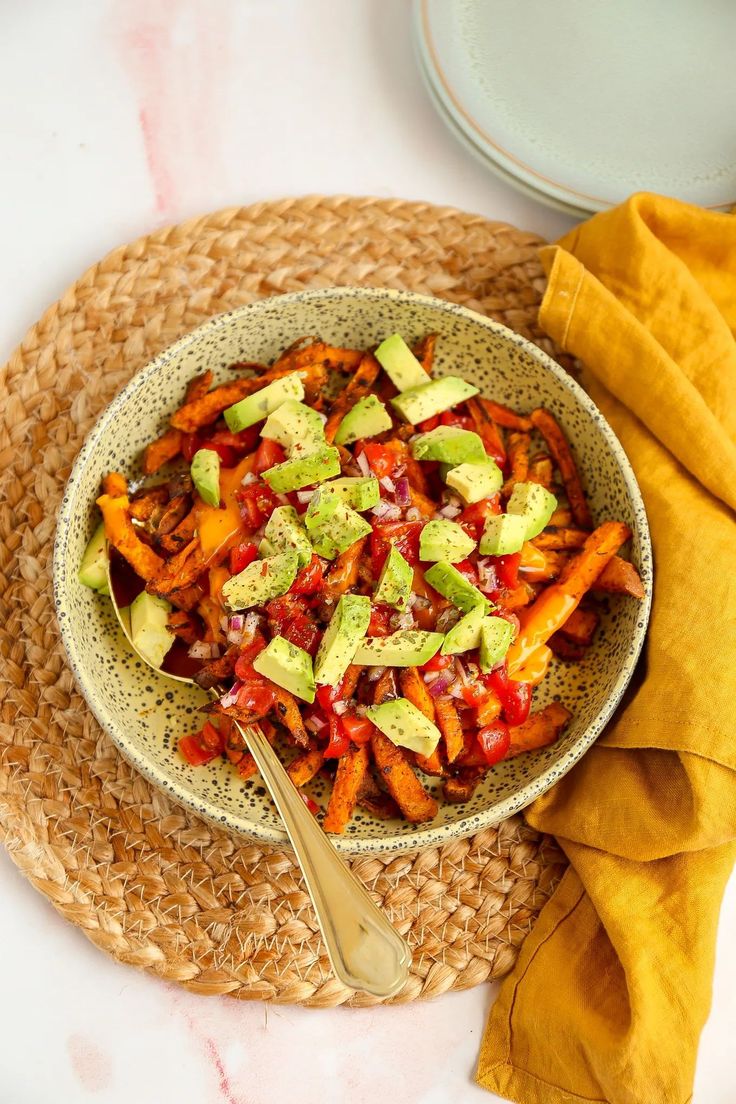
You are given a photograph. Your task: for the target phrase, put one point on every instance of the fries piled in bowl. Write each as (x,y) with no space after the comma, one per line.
(385,577)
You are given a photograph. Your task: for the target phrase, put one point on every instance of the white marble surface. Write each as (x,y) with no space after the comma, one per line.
(119,116)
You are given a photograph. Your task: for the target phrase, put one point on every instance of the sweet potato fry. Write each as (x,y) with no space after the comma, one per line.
(424,352)
(541,729)
(414,689)
(115,485)
(487,429)
(541,470)
(186,599)
(286,709)
(162,450)
(517,444)
(376,801)
(183,531)
(489,710)
(449,725)
(218,671)
(561,518)
(402,783)
(422,503)
(341,360)
(461,787)
(580,626)
(192,416)
(350,681)
(351,770)
(198,387)
(555,604)
(146,503)
(559,539)
(505,417)
(356,388)
(560,449)
(620,577)
(303,768)
(342,576)
(210,611)
(121,534)
(183,626)
(178,573)
(385,688)
(566,649)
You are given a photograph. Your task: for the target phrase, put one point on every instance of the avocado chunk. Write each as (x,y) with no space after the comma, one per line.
(254,408)
(367,418)
(149,632)
(289,666)
(432,398)
(261,581)
(394,585)
(348,625)
(205,473)
(322,506)
(405,648)
(474,482)
(465,634)
(453,586)
(405,725)
(297,427)
(534,504)
(341,529)
(495,639)
(502,535)
(450,445)
(444,540)
(359,492)
(400,364)
(93,568)
(284,532)
(293,474)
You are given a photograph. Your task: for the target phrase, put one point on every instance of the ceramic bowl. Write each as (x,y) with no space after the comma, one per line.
(145,713)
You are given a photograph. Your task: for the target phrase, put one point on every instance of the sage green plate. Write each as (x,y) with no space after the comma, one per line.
(145,713)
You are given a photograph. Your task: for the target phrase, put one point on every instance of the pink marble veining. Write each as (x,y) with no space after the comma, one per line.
(92,1066)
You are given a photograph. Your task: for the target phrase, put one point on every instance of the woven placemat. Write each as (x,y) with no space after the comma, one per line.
(147,881)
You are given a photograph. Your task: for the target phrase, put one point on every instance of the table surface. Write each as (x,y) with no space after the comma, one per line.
(126,115)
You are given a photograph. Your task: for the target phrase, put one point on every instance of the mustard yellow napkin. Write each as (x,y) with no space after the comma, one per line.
(611,989)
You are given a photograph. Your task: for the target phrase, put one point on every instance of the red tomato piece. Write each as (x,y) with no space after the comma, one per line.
(507,570)
(327,696)
(311,805)
(384,462)
(203,746)
(339,741)
(257,502)
(473,518)
(429,424)
(190,443)
(242,555)
(438,663)
(303,632)
(475,694)
(379,622)
(494,741)
(267,454)
(244,669)
(450,418)
(469,570)
(359,729)
(256,696)
(309,579)
(404,534)
(515,697)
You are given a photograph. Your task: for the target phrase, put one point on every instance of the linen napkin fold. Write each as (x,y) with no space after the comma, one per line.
(612,988)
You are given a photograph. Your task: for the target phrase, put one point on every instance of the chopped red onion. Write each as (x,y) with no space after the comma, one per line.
(403,492)
(442,683)
(203,649)
(448,618)
(305,496)
(339,707)
(236,622)
(248,478)
(413,514)
(462,675)
(362,462)
(456,690)
(283,499)
(388,484)
(386,511)
(231,697)
(450,511)
(402,621)
(251,624)
(314,723)
(224,624)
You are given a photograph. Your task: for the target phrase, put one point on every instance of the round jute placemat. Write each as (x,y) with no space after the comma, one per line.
(147,881)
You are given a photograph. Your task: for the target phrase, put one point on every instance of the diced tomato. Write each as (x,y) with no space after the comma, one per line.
(359,729)
(256,696)
(203,746)
(473,518)
(242,442)
(469,570)
(311,805)
(507,570)
(379,622)
(429,424)
(339,741)
(190,443)
(327,696)
(257,503)
(242,555)
(474,694)
(450,418)
(268,453)
(438,663)
(244,669)
(404,534)
(384,462)
(284,609)
(309,579)
(494,741)
(303,632)
(515,697)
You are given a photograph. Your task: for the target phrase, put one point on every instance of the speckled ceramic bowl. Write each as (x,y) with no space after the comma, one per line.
(145,712)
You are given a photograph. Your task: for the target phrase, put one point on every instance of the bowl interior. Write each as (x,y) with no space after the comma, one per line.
(145,713)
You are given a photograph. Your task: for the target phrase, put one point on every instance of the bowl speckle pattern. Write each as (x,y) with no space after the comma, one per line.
(145,713)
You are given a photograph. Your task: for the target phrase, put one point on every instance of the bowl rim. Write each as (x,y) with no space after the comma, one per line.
(421,837)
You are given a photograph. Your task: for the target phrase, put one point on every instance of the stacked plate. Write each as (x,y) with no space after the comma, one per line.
(580,104)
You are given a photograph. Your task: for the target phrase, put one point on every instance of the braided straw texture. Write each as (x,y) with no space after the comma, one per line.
(146,881)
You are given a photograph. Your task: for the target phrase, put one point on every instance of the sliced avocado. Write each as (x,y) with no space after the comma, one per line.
(405,725)
(444,540)
(453,586)
(284,532)
(502,535)
(534,504)
(432,398)
(400,364)
(367,418)
(289,666)
(93,568)
(359,492)
(149,633)
(293,474)
(495,638)
(474,482)
(405,648)
(205,473)
(322,506)
(394,585)
(297,427)
(348,625)
(450,445)
(254,408)
(343,528)
(465,634)
(261,581)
